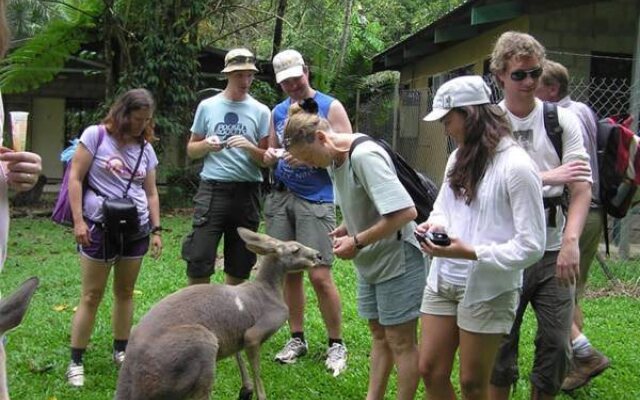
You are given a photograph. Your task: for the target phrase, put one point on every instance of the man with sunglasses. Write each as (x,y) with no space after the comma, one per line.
(549,285)
(230,131)
(587,361)
(301,207)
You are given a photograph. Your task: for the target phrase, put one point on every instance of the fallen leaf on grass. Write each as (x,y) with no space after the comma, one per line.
(39,369)
(60,307)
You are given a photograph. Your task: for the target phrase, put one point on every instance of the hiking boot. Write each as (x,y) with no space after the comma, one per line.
(118,358)
(75,374)
(336,358)
(291,351)
(583,369)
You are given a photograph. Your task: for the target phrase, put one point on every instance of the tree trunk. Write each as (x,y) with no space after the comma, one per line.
(277,31)
(344,40)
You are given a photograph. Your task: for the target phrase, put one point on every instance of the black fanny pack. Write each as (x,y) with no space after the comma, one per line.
(120,216)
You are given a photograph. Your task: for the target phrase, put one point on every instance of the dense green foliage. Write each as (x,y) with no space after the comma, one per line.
(38,350)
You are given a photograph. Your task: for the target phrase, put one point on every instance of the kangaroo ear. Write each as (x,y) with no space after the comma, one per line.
(258,242)
(13,308)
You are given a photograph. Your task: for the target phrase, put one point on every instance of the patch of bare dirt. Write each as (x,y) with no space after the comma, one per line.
(616,289)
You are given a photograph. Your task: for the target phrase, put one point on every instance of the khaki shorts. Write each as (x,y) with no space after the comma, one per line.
(494,316)
(288,217)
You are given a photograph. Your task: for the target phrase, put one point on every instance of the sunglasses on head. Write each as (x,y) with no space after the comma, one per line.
(309,105)
(242,60)
(521,74)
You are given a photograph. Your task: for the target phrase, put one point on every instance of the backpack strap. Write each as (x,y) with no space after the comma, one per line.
(357,141)
(554,132)
(552,126)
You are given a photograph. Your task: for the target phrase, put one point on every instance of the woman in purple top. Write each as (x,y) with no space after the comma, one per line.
(106,157)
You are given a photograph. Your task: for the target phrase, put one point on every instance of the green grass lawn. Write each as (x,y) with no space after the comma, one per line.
(38,350)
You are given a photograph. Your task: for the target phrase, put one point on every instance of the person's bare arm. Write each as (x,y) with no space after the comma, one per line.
(574,171)
(345,246)
(338,118)
(82,160)
(153,201)
(568,263)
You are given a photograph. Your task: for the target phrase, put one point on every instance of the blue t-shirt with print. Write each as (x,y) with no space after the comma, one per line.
(225,118)
(309,183)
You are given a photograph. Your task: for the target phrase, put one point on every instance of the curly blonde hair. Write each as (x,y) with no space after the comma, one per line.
(514,44)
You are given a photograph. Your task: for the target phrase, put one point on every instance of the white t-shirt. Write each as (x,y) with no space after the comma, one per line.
(530,133)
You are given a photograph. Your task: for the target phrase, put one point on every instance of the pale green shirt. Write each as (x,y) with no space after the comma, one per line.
(367,187)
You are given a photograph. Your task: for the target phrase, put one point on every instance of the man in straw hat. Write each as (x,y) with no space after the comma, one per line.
(230,131)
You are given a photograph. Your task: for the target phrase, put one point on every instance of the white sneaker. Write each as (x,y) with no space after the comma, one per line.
(75,374)
(118,358)
(291,351)
(336,358)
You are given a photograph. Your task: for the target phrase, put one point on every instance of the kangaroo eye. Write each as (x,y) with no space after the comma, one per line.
(296,250)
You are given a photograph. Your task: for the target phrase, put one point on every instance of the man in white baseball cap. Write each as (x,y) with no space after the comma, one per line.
(301,208)
(463,91)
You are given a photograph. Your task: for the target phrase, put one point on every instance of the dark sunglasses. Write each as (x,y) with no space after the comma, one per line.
(521,74)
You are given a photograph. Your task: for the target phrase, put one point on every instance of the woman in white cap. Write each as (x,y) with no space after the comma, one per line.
(490,206)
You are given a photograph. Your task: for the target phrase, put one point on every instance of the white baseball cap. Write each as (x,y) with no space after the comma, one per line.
(461,91)
(239,60)
(288,64)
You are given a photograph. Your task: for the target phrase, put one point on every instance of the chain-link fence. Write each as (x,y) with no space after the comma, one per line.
(427,148)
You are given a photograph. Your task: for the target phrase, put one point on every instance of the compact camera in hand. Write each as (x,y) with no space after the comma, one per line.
(437,238)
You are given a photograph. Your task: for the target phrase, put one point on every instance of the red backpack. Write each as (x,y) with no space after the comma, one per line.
(618,164)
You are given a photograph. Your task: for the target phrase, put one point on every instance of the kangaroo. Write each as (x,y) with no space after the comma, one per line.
(12,310)
(172,352)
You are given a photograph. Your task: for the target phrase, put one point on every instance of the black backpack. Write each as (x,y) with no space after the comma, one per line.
(422,190)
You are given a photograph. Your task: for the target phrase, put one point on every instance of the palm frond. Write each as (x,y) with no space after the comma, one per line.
(43,56)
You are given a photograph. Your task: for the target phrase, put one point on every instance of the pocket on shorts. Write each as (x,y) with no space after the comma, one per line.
(201,205)
(274,204)
(187,246)
(324,211)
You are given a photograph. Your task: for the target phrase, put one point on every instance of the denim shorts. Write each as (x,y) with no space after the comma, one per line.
(128,249)
(289,217)
(397,300)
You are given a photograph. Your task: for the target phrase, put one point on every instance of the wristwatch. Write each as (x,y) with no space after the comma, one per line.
(359,245)
(156,230)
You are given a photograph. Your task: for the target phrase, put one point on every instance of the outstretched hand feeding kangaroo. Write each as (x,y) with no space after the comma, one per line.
(173,350)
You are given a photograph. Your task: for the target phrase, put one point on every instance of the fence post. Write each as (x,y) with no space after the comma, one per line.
(396,115)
